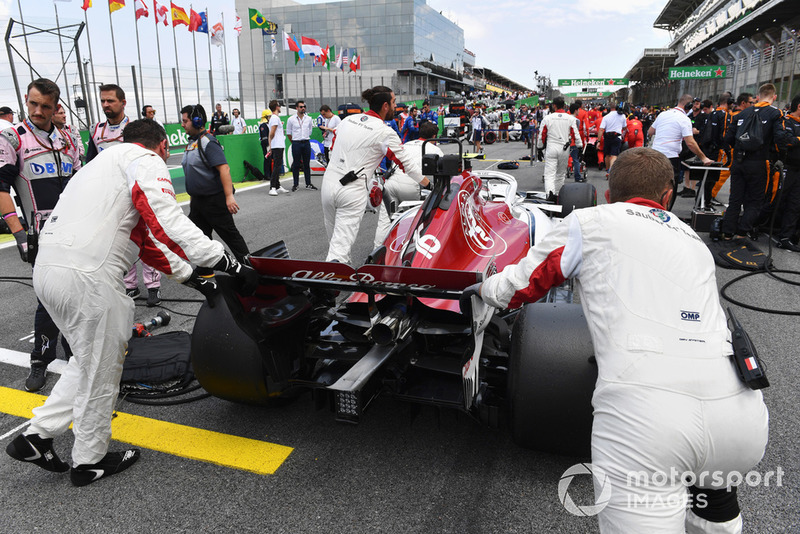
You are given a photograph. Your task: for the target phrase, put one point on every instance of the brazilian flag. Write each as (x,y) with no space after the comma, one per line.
(257,20)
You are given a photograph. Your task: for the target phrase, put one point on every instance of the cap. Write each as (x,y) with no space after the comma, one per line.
(5,110)
(696,99)
(266,113)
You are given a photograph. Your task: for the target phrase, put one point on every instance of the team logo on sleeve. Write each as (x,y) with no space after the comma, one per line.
(661,215)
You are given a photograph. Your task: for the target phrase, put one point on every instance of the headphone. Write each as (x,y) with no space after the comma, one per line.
(144,111)
(198,116)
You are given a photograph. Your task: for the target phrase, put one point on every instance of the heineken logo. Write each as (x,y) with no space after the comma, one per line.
(698,73)
(591,82)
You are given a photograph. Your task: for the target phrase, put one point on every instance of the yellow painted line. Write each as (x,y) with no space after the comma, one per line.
(217,448)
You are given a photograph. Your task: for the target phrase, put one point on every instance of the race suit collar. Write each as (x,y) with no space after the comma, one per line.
(373,114)
(646,202)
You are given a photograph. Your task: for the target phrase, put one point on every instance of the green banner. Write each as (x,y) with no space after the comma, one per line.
(698,73)
(588,95)
(591,82)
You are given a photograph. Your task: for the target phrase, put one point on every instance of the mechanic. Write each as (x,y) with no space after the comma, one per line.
(149,112)
(559,130)
(790,200)
(712,143)
(612,131)
(749,170)
(575,151)
(743,101)
(699,122)
(108,132)
(635,130)
(362,140)
(668,397)
(219,118)
(298,131)
(410,130)
(37,160)
(428,115)
(208,182)
(82,252)
(670,128)
(60,122)
(400,186)
(239,124)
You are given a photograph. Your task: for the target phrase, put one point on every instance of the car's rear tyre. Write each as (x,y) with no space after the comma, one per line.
(489,138)
(575,195)
(551,379)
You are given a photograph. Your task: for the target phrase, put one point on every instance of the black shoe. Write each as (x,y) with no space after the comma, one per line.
(311,186)
(788,245)
(111,464)
(133,293)
(688,193)
(753,235)
(294,188)
(37,377)
(38,451)
(153,297)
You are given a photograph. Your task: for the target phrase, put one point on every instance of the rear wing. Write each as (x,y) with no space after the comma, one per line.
(385,279)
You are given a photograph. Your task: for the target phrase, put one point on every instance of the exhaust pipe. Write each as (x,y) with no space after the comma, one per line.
(389,328)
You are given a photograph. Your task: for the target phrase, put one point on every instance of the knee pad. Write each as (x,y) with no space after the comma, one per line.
(715,505)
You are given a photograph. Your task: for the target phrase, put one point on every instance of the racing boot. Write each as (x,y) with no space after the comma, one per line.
(36,450)
(111,464)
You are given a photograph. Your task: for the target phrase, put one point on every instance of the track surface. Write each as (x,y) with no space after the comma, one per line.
(436,472)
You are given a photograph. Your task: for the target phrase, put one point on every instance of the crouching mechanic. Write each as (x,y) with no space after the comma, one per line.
(668,399)
(400,186)
(77,278)
(362,141)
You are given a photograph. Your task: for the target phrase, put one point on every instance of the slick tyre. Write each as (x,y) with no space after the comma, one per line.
(489,138)
(573,196)
(551,379)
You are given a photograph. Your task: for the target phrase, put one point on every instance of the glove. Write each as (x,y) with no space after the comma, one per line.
(205,284)
(465,300)
(247,276)
(22,244)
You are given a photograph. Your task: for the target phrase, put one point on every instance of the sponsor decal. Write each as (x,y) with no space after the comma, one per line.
(427,245)
(364,118)
(661,215)
(50,168)
(690,316)
(168,191)
(476,230)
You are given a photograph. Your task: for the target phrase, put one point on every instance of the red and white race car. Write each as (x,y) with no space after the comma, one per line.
(396,329)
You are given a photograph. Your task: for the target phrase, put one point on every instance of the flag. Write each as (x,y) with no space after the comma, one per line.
(161,13)
(141,9)
(194,20)
(274,44)
(114,5)
(218,34)
(311,46)
(329,51)
(296,57)
(256,19)
(203,28)
(179,15)
(86,4)
(345,58)
(339,64)
(355,64)
(237,26)
(289,43)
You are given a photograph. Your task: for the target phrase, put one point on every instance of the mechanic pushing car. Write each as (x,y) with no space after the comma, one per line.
(668,399)
(362,141)
(82,253)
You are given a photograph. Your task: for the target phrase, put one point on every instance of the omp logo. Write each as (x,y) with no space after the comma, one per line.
(661,215)
(50,168)
(690,316)
(601,480)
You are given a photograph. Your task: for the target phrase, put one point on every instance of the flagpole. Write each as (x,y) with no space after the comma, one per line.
(194,49)
(64,63)
(225,54)
(139,52)
(113,45)
(179,95)
(160,68)
(210,71)
(253,64)
(91,95)
(25,37)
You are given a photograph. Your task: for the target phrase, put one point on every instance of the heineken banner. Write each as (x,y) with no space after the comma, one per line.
(698,73)
(588,94)
(591,82)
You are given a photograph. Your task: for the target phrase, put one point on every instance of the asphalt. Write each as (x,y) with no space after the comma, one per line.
(436,471)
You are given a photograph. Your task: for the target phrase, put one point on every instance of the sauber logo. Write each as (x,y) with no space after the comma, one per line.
(476,230)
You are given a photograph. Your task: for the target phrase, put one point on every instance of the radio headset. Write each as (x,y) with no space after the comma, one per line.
(198,121)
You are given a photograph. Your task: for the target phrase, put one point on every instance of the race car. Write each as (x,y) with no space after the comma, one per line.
(394,327)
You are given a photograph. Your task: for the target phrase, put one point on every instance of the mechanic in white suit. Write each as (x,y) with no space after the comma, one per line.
(668,398)
(118,207)
(361,142)
(400,186)
(558,130)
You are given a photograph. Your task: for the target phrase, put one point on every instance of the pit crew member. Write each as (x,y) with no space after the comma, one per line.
(362,141)
(559,130)
(668,398)
(37,160)
(109,132)
(82,253)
